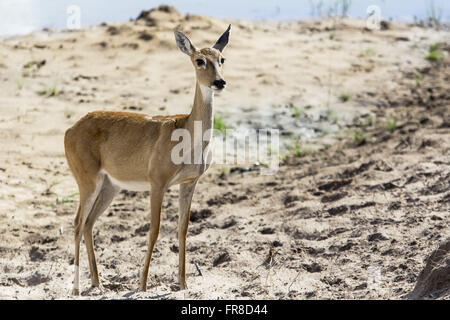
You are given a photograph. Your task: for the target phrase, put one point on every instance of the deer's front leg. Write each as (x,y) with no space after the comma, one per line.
(156,198)
(186,193)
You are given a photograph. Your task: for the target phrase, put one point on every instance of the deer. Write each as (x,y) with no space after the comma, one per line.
(108,151)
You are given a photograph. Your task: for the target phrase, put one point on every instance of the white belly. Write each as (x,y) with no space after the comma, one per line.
(129,185)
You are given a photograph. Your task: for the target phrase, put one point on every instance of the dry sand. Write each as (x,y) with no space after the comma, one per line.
(351,216)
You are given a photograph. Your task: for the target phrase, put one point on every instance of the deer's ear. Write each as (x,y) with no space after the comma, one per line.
(223,40)
(184,43)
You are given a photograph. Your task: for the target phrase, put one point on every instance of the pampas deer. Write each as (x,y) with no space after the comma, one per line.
(109,151)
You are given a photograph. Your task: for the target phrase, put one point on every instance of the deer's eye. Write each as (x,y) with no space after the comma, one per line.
(222,60)
(200,62)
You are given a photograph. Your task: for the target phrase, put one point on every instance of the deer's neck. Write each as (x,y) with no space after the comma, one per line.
(202,111)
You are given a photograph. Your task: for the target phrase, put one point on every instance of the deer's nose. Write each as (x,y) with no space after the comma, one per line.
(219,84)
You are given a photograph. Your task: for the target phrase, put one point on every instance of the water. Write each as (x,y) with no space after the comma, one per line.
(24,16)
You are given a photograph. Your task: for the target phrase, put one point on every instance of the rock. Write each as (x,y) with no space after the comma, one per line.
(376,237)
(222,258)
(313,267)
(434,280)
(197,216)
(385,25)
(267,230)
(142,230)
(36,279)
(36,254)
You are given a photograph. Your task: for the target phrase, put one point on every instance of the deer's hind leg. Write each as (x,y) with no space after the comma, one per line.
(104,198)
(186,193)
(89,189)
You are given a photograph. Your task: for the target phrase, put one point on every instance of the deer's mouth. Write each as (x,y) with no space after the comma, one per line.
(216,89)
(219,85)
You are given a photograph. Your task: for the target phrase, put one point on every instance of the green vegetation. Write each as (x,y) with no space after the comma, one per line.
(219,124)
(435,54)
(368,52)
(332,116)
(344,97)
(49,91)
(68,199)
(297,150)
(296,112)
(359,137)
(391,125)
(419,78)
(19,83)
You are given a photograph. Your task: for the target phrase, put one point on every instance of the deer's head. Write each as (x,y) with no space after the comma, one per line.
(208,62)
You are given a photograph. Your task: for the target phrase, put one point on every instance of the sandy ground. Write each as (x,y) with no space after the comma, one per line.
(352,214)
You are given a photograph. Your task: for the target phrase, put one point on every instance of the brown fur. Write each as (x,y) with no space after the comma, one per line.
(106,146)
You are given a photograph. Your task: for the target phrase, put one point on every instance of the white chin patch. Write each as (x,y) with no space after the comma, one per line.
(217,89)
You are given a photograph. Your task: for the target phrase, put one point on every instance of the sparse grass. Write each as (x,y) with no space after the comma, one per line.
(435,54)
(359,137)
(19,83)
(54,183)
(297,150)
(296,112)
(368,52)
(219,123)
(224,171)
(344,97)
(391,125)
(48,91)
(419,78)
(68,199)
(332,116)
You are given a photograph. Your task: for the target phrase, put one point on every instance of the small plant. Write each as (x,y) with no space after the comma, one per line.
(219,123)
(332,36)
(359,137)
(19,83)
(223,171)
(332,116)
(391,125)
(296,112)
(435,54)
(344,97)
(368,52)
(419,78)
(297,150)
(68,199)
(48,91)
